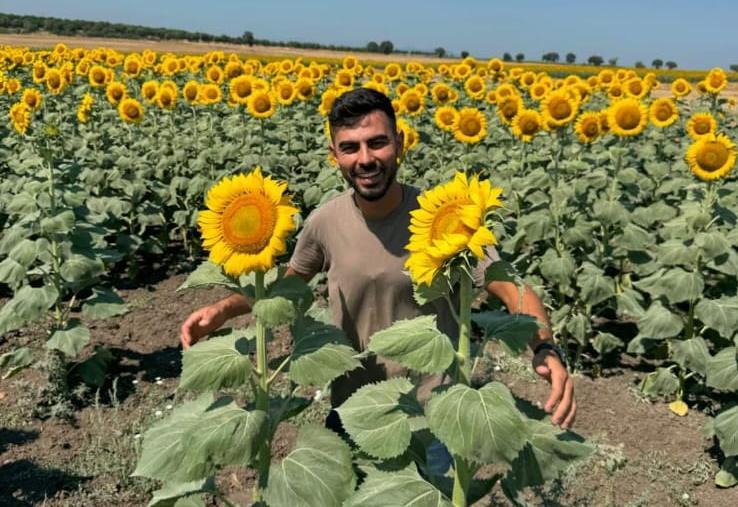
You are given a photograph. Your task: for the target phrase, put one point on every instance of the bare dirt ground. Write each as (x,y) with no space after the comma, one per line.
(644,455)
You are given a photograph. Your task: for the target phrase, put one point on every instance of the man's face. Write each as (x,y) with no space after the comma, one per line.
(367,154)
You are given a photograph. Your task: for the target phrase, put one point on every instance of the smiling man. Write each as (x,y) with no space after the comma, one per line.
(359,238)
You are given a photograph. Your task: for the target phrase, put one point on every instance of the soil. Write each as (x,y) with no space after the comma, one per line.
(645,454)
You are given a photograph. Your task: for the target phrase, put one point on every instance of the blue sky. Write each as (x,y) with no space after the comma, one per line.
(693,34)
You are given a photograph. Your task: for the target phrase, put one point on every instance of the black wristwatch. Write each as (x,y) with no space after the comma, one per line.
(550,346)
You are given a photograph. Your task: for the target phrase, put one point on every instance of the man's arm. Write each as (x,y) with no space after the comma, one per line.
(546,362)
(207,319)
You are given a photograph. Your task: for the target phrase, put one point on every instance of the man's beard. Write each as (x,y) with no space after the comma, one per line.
(376,192)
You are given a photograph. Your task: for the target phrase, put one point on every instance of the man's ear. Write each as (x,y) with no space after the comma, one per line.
(332,149)
(400,142)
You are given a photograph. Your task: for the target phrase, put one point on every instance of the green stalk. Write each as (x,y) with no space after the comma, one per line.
(463,473)
(262,391)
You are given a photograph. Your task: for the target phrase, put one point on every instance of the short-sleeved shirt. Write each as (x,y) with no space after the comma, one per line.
(368,288)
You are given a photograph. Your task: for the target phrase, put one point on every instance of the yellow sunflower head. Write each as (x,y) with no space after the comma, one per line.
(411,138)
(711,157)
(636,88)
(166,98)
(344,78)
(55,81)
(32,98)
(190,91)
(475,87)
(715,80)
(132,65)
(285,92)
(215,74)
(538,91)
(130,110)
(209,94)
(616,91)
(247,223)
(680,87)
(588,127)
(115,92)
(446,117)
(701,124)
(262,104)
(412,102)
(452,218)
(20,117)
(326,101)
(98,76)
(627,117)
(149,90)
(441,93)
(495,65)
(471,126)
(526,124)
(559,108)
(240,88)
(663,112)
(508,107)
(304,88)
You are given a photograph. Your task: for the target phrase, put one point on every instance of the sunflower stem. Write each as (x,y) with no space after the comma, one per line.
(464,350)
(463,475)
(262,393)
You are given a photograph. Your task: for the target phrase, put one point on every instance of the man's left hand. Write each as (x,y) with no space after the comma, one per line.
(561,400)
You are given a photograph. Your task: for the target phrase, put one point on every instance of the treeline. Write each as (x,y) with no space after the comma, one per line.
(13,23)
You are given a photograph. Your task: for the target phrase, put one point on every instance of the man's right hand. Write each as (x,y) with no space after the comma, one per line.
(200,323)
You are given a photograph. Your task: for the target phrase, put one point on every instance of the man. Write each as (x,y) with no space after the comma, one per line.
(359,239)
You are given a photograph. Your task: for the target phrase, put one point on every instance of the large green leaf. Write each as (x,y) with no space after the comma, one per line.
(604,343)
(661,382)
(293,288)
(634,237)
(70,339)
(482,425)
(218,363)
(320,353)
(15,361)
(197,438)
(595,287)
(94,369)
(275,311)
(676,253)
(712,244)
(719,314)
(658,322)
(416,344)
(676,285)
(24,252)
(691,354)
(727,477)
(208,274)
(500,271)
(726,429)
(103,304)
(316,473)
(548,453)
(171,493)
(80,268)
(378,417)
(28,304)
(12,273)
(402,488)
(629,303)
(722,370)
(514,331)
(61,223)
(557,269)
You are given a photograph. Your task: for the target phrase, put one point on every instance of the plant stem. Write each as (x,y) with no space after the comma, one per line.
(462,477)
(262,393)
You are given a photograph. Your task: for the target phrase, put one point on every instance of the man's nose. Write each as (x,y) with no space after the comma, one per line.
(365,155)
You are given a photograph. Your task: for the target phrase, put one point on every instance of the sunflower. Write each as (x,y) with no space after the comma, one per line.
(115,92)
(701,124)
(344,79)
(215,74)
(262,104)
(491,97)
(190,91)
(240,88)
(248,220)
(588,127)
(711,157)
(85,108)
(130,110)
(410,135)
(446,117)
(606,77)
(326,101)
(475,87)
(526,124)
(471,126)
(20,117)
(627,117)
(132,65)
(715,80)
(54,81)
(495,65)
(505,90)
(166,98)
(12,86)
(527,79)
(39,72)
(559,108)
(304,88)
(461,71)
(412,102)
(32,98)
(538,91)
(616,91)
(285,92)
(680,87)
(508,107)
(636,88)
(209,93)
(441,93)
(663,112)
(149,90)
(451,218)
(98,76)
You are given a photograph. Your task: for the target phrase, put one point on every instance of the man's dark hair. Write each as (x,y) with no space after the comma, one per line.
(353,105)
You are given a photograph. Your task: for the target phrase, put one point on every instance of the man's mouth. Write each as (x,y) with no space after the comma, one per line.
(370,177)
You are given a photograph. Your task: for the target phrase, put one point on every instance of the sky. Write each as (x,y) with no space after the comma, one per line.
(695,35)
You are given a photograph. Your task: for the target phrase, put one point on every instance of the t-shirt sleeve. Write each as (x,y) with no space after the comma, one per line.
(483,264)
(308,257)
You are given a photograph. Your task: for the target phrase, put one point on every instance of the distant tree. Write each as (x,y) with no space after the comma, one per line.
(519,57)
(595,60)
(657,63)
(639,65)
(248,38)
(440,52)
(386,47)
(464,54)
(671,65)
(550,57)
(507,57)
(613,62)
(734,67)
(571,58)
(372,47)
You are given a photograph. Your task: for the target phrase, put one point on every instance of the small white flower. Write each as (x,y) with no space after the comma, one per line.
(157,378)
(318,395)
(159,382)
(497,368)
(135,381)
(137,436)
(158,413)
(169,407)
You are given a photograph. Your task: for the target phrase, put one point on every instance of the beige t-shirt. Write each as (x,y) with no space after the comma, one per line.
(368,288)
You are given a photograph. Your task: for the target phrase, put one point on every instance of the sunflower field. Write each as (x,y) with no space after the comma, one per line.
(618,206)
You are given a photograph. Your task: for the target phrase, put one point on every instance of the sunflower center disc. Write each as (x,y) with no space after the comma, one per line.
(248,223)
(447,221)
(713,156)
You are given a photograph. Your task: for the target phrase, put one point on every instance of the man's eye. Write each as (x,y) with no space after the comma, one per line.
(378,144)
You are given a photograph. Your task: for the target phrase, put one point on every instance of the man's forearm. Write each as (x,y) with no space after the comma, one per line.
(234,305)
(527,303)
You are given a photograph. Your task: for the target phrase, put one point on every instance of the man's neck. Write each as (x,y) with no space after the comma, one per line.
(381,208)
